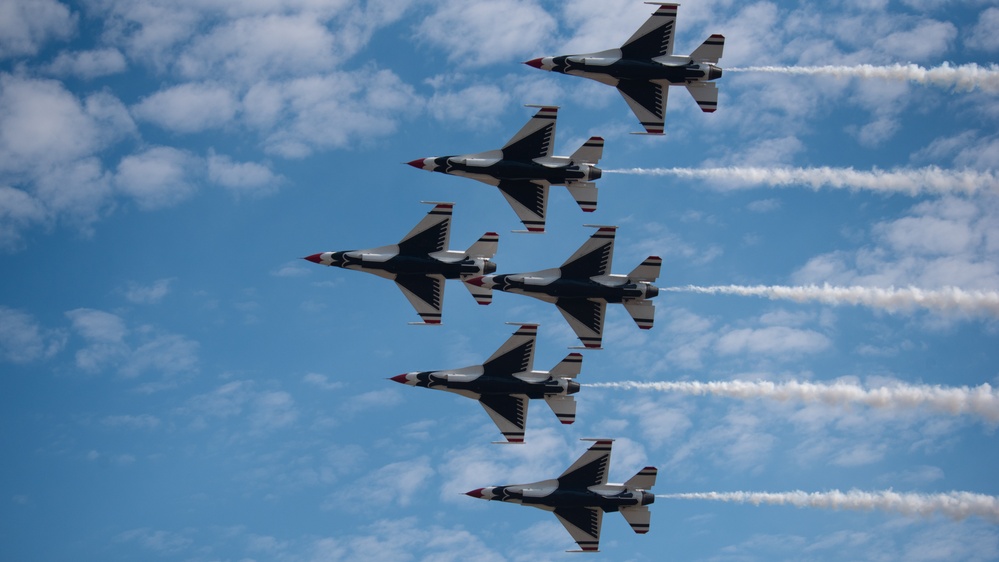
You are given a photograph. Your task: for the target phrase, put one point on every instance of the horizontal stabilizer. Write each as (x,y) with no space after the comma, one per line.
(644,480)
(563,406)
(638,517)
(590,153)
(705,94)
(585,194)
(710,50)
(647,271)
(482,295)
(643,312)
(568,367)
(484,247)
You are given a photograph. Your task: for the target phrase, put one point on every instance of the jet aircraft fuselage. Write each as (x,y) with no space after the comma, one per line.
(386,264)
(613,288)
(533,387)
(492,170)
(550,494)
(600,66)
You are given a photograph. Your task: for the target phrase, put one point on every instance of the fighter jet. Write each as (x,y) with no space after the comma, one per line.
(421,262)
(505,382)
(582,287)
(581,495)
(524,169)
(644,67)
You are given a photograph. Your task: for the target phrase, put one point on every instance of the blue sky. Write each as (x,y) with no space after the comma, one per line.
(177,384)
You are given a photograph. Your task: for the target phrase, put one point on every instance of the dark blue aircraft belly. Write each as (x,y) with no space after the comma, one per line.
(570,288)
(579,498)
(504,385)
(412,265)
(644,71)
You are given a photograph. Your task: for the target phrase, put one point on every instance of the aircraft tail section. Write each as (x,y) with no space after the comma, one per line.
(563,406)
(710,50)
(591,151)
(485,247)
(585,194)
(705,94)
(482,295)
(638,517)
(647,271)
(645,479)
(568,367)
(643,312)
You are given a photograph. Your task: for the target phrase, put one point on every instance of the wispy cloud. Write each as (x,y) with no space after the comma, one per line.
(907,181)
(981,401)
(891,299)
(961,78)
(955,505)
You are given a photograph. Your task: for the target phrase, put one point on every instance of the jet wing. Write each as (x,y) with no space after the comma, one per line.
(514,356)
(647,101)
(655,37)
(509,413)
(593,258)
(432,234)
(425,293)
(590,469)
(586,318)
(583,523)
(529,200)
(535,139)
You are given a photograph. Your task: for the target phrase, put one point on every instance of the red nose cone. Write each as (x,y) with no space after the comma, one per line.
(399,378)
(418,163)
(314,258)
(476,493)
(477,281)
(536,63)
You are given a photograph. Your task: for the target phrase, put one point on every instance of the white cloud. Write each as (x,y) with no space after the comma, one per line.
(242,177)
(141,421)
(475,107)
(777,341)
(167,354)
(22,340)
(158,177)
(88,64)
(25,27)
(491,32)
(189,107)
(983,36)
(151,294)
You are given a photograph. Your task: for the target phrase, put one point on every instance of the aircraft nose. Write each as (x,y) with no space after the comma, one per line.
(399,378)
(314,258)
(536,63)
(418,163)
(476,493)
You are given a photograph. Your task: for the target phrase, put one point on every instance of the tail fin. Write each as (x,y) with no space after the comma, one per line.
(563,406)
(643,312)
(591,151)
(482,295)
(705,94)
(638,517)
(710,50)
(484,247)
(648,270)
(644,480)
(568,367)
(585,194)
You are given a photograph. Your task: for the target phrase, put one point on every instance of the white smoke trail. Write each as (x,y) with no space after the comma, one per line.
(955,505)
(981,401)
(962,78)
(948,299)
(908,181)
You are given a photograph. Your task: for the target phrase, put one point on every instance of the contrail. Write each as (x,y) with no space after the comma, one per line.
(947,299)
(981,401)
(961,78)
(907,181)
(955,505)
